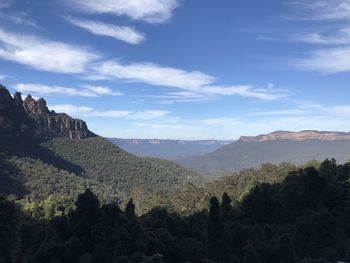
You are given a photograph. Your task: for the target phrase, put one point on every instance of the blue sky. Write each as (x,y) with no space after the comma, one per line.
(182,69)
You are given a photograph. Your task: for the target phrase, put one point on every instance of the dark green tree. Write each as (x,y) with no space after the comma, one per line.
(8,230)
(130,210)
(218,246)
(226,207)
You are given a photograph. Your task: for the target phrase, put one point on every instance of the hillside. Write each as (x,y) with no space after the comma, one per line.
(168,149)
(277,147)
(106,163)
(44,153)
(296,216)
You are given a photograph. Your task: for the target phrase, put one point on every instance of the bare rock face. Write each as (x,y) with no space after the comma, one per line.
(13,120)
(298,136)
(32,118)
(65,126)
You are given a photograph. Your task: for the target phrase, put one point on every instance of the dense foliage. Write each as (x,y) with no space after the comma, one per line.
(304,218)
(63,168)
(107,163)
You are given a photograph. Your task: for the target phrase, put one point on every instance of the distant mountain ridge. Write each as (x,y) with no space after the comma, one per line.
(276,147)
(168,149)
(298,136)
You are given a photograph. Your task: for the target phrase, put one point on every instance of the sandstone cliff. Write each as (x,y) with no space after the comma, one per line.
(32,118)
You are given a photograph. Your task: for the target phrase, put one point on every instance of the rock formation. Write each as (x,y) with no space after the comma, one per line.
(32,118)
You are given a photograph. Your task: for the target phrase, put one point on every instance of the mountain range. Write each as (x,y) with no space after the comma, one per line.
(45,153)
(276,147)
(168,149)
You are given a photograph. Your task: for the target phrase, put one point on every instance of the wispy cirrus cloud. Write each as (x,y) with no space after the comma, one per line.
(334,59)
(85,91)
(70,109)
(83,111)
(339,36)
(247,91)
(194,85)
(328,61)
(322,9)
(150,73)
(151,11)
(307,110)
(44,55)
(123,33)
(18,18)
(187,85)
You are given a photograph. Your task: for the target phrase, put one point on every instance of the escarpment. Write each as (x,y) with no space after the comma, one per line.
(32,118)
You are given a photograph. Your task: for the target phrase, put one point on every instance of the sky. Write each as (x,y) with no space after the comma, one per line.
(182,69)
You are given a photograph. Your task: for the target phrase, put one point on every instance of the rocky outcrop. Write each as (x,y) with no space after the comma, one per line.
(298,136)
(32,118)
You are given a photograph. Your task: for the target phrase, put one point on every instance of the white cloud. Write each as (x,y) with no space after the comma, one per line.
(70,109)
(269,93)
(18,18)
(194,85)
(44,54)
(107,114)
(151,11)
(123,33)
(340,36)
(83,111)
(222,121)
(331,60)
(182,96)
(134,115)
(287,112)
(151,74)
(100,90)
(308,110)
(86,91)
(149,114)
(2,77)
(323,9)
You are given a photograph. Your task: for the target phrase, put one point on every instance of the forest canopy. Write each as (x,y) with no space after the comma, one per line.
(302,218)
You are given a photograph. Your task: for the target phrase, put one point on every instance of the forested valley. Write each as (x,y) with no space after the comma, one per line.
(303,218)
(68,195)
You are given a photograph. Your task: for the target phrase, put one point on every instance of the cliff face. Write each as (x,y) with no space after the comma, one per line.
(32,118)
(298,136)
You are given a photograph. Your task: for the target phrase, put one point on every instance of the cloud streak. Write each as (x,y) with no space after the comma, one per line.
(194,85)
(150,73)
(44,55)
(86,91)
(334,59)
(328,61)
(83,111)
(340,36)
(123,33)
(151,11)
